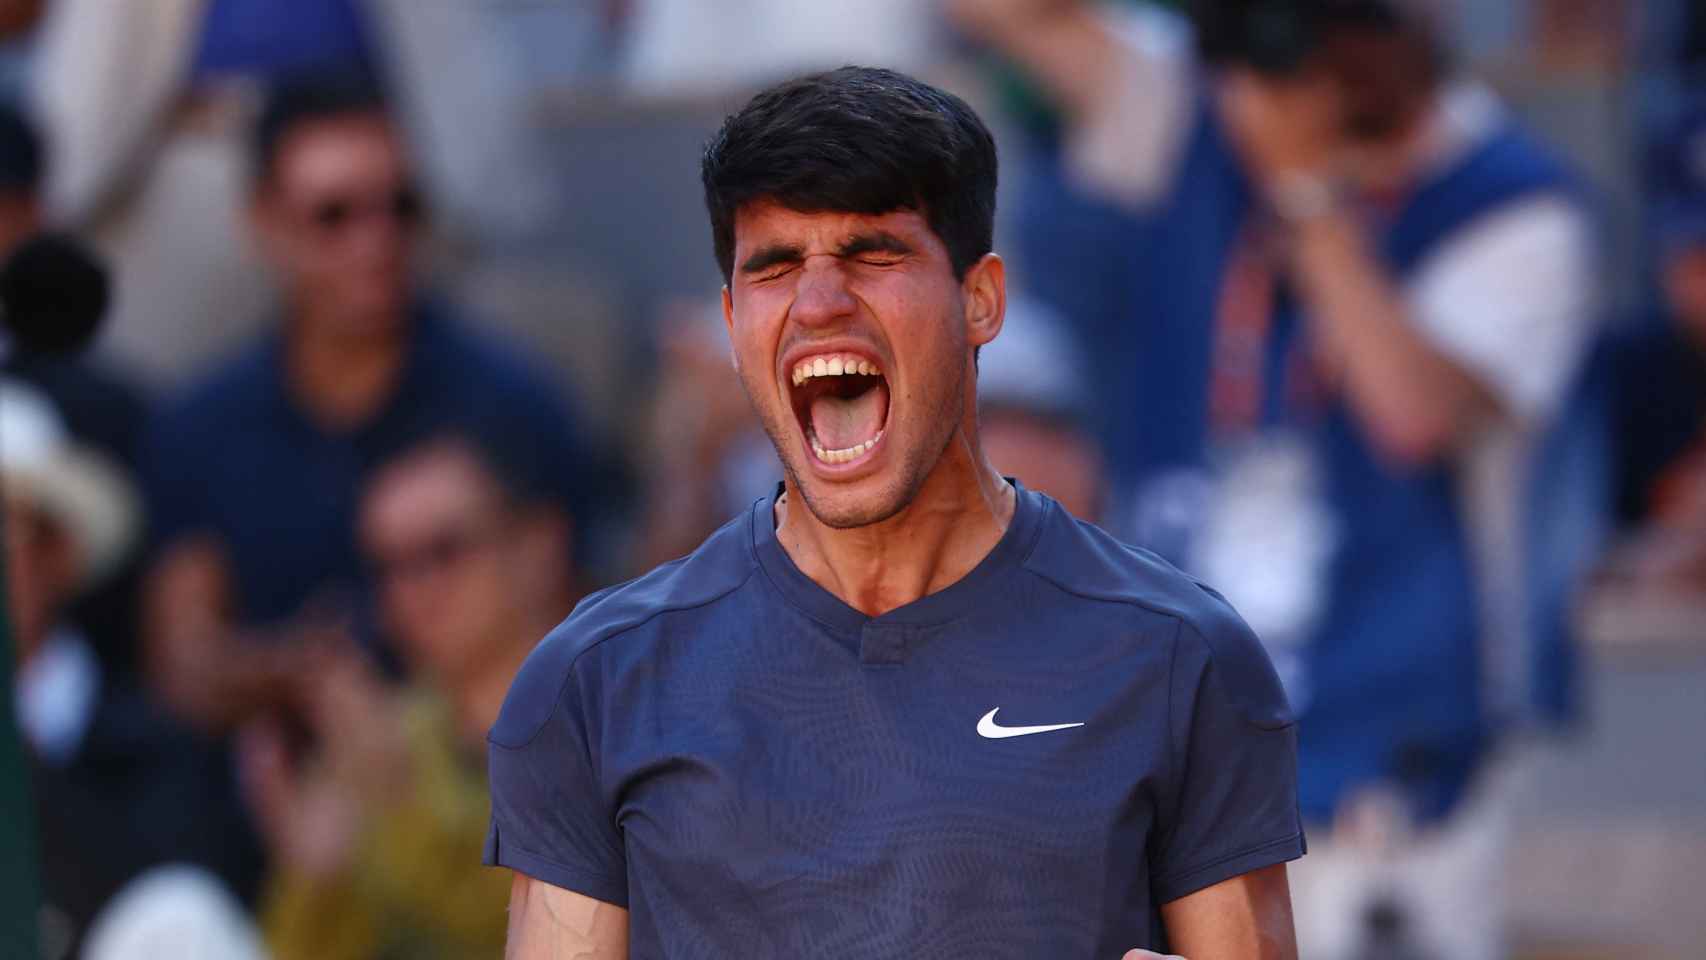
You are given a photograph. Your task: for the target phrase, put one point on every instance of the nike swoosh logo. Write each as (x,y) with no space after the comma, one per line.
(988,728)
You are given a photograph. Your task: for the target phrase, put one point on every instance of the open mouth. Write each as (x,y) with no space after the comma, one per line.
(842,402)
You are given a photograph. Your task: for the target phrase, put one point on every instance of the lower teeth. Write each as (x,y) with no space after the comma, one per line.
(844,455)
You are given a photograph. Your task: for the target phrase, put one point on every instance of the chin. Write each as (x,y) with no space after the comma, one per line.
(884,488)
(850,509)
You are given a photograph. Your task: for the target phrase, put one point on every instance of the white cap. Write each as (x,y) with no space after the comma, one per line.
(82,491)
(173,911)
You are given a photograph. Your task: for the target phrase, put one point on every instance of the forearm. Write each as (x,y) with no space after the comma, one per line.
(1415,402)
(550,923)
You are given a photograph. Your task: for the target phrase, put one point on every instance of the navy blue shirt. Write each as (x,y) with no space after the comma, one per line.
(754,768)
(238,459)
(272,37)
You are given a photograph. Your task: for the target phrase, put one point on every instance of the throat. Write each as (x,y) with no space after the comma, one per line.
(927,547)
(849,421)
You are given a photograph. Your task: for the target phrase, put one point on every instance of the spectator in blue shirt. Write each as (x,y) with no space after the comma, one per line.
(252,476)
(1346,304)
(1659,367)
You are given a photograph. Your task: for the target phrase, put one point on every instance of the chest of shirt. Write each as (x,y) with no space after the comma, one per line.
(991,758)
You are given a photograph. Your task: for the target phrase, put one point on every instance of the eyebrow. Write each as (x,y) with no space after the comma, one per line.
(879,241)
(777,253)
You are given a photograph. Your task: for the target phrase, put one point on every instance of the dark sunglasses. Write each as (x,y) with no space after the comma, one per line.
(403,205)
(440,552)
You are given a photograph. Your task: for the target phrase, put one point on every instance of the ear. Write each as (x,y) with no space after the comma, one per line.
(985,290)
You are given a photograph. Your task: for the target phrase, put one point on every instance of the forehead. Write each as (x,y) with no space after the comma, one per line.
(766,222)
(337,151)
(424,490)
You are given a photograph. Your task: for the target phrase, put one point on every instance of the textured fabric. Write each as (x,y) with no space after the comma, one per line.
(756,769)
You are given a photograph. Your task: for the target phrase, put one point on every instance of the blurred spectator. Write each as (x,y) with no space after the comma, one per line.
(145,105)
(1661,365)
(1657,370)
(1033,408)
(706,457)
(100,409)
(377,835)
(96,745)
(253,475)
(1363,295)
(18,19)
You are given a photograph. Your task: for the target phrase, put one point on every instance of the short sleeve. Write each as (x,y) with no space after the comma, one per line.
(1513,299)
(1233,806)
(550,819)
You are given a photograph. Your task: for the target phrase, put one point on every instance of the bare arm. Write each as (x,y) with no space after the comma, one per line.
(1416,403)
(1245,918)
(195,660)
(549,923)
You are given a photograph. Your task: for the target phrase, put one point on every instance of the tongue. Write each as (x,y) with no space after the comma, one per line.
(847,422)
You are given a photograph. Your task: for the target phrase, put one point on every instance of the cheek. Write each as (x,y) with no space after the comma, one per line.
(755,339)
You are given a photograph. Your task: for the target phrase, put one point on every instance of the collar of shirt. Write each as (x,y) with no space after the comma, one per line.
(884,638)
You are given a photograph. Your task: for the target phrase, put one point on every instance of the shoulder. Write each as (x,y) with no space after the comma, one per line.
(1084,560)
(622,614)
(1210,638)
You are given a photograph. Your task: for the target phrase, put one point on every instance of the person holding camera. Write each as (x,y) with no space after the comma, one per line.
(1355,298)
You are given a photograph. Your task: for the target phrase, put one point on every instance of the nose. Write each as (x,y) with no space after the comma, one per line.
(821,297)
(375,237)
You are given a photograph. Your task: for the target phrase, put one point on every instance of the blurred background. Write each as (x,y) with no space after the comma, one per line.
(411,337)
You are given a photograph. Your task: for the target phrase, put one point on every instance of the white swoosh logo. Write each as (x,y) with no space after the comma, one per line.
(987,727)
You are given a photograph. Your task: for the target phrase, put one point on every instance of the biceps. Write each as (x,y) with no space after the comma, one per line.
(550,923)
(1245,918)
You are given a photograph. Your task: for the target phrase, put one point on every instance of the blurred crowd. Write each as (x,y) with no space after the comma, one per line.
(415,339)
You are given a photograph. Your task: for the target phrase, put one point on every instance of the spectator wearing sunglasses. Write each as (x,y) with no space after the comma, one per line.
(253,476)
(376,832)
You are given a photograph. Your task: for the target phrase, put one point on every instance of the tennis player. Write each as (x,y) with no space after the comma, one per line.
(901,707)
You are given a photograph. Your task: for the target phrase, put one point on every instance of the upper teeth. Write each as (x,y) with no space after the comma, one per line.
(833,366)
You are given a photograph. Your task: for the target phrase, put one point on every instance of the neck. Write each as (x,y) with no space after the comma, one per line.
(957,517)
(342,380)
